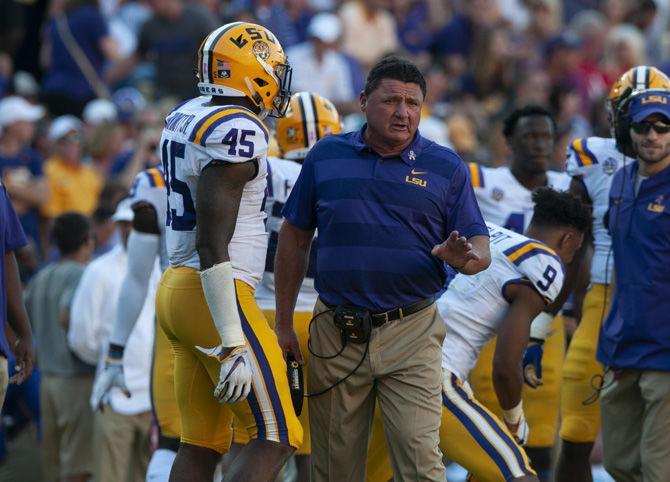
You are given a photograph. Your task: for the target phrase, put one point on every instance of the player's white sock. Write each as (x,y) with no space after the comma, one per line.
(160,465)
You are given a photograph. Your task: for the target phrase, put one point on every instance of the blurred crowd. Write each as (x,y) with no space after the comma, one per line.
(85,86)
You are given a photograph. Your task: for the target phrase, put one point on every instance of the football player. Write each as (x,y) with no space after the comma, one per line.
(504,195)
(309,118)
(147,241)
(592,162)
(227,360)
(526,275)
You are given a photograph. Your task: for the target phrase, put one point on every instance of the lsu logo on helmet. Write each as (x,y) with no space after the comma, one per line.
(243,59)
(309,118)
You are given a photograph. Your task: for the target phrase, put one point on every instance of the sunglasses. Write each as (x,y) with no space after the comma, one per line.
(644,127)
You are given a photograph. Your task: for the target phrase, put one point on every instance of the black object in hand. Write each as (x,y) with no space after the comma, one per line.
(295,382)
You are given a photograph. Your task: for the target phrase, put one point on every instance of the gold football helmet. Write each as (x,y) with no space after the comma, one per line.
(273,146)
(309,118)
(641,77)
(243,59)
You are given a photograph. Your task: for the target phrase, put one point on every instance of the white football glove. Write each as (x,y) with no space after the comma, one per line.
(111,376)
(235,373)
(516,423)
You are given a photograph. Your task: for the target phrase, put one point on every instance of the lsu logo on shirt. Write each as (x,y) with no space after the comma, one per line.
(657,206)
(410,179)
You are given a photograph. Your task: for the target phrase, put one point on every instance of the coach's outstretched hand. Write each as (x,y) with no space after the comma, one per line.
(456,251)
(235,374)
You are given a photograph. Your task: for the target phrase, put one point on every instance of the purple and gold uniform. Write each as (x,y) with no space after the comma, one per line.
(505,202)
(593,161)
(196,133)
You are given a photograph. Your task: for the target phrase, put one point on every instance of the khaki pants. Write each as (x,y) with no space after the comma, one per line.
(635,413)
(402,371)
(121,446)
(67,425)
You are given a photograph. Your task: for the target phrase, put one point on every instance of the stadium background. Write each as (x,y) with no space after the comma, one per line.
(481,59)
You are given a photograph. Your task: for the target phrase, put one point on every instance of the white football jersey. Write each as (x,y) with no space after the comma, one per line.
(474,306)
(503,200)
(149,187)
(196,134)
(594,160)
(282,175)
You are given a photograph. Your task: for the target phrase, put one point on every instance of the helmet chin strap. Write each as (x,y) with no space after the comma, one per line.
(256,98)
(270,72)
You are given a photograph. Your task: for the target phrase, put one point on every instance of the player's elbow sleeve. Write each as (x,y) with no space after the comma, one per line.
(132,296)
(142,250)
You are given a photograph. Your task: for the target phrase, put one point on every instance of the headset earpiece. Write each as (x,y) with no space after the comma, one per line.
(622,127)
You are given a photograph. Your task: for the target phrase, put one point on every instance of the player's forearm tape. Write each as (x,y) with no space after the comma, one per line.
(540,325)
(513,415)
(142,250)
(219,287)
(115,352)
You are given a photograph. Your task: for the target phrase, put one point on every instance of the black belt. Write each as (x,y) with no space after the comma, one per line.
(378,319)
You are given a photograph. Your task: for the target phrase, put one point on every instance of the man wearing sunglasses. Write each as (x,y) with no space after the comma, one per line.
(592,163)
(634,343)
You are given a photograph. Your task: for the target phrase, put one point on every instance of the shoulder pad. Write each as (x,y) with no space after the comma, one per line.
(216,124)
(540,264)
(147,179)
(231,134)
(476,175)
(585,153)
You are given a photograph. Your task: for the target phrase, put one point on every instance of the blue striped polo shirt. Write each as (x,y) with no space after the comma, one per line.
(379,217)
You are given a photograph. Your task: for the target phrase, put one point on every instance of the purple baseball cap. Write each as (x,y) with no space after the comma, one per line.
(645,103)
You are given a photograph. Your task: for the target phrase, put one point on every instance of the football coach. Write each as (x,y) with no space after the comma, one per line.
(634,342)
(390,207)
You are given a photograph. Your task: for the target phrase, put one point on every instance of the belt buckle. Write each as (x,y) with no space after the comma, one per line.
(386,318)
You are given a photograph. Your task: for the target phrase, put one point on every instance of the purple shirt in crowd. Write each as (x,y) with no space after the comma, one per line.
(11,239)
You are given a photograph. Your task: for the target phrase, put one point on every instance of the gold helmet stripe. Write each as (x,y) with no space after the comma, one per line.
(209,46)
(308,116)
